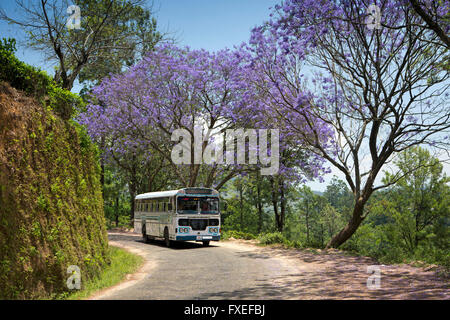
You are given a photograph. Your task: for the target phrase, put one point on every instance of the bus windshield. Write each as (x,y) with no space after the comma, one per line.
(204,205)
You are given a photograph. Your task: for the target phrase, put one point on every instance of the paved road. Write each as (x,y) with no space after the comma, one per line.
(190,271)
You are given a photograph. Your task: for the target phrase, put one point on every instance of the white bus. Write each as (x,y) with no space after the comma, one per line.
(188,214)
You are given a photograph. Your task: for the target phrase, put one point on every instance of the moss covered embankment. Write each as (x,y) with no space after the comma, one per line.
(51,207)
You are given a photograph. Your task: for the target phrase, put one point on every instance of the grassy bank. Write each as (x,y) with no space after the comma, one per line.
(122,263)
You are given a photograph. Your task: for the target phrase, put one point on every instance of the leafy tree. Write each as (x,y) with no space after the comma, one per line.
(331,219)
(420,197)
(409,220)
(115,195)
(112,34)
(339,196)
(242,214)
(311,207)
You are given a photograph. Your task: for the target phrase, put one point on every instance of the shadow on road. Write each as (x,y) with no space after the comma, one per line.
(176,245)
(334,285)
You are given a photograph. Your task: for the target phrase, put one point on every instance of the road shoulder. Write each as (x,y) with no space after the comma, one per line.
(130,279)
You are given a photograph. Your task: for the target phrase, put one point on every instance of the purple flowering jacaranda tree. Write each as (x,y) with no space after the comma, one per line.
(171,88)
(356,83)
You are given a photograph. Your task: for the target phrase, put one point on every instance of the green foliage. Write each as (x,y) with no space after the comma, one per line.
(272,238)
(19,74)
(36,83)
(243,212)
(51,202)
(237,235)
(116,199)
(121,263)
(135,25)
(114,34)
(410,221)
(65,103)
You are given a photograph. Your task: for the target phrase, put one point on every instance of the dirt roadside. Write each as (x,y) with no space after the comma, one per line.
(335,275)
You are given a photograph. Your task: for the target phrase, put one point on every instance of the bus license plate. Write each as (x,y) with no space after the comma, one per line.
(204,237)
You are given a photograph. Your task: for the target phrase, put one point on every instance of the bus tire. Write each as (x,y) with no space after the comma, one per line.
(206,243)
(166,237)
(144,235)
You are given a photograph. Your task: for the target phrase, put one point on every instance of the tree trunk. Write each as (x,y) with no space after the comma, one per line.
(117,211)
(258,201)
(321,235)
(307,221)
(102,164)
(275,203)
(283,208)
(132,190)
(241,202)
(351,226)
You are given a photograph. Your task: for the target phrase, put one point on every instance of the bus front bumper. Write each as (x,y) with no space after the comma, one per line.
(197,238)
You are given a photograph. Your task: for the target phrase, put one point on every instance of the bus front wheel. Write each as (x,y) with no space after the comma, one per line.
(166,237)
(144,235)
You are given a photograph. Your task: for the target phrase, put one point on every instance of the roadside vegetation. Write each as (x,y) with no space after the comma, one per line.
(122,263)
(51,205)
(408,222)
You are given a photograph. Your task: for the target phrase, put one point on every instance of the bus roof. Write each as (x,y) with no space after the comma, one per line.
(171,193)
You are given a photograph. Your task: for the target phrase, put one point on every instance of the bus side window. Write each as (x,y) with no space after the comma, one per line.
(169,206)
